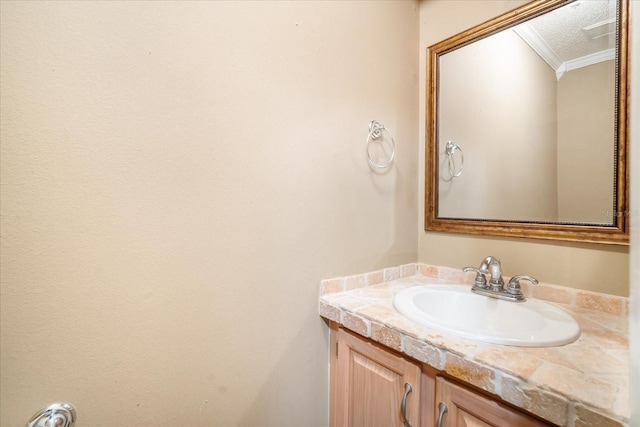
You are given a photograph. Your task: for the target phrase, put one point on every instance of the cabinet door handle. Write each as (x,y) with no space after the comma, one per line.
(403,405)
(442,409)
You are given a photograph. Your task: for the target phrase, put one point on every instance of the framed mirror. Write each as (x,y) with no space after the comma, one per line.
(526,128)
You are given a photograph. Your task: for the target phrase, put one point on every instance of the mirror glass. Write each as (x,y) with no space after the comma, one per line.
(527,125)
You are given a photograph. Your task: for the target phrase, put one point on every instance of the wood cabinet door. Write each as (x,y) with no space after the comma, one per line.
(466,408)
(371,385)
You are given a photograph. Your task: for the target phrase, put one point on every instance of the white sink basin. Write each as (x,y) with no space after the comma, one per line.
(455,310)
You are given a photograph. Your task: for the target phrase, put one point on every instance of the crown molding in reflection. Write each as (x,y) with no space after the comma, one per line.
(537,43)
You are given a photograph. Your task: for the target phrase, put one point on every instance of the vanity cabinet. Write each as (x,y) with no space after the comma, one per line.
(373,386)
(466,408)
(369,389)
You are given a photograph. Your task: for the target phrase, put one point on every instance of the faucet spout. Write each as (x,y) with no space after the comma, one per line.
(496,271)
(484,265)
(492,266)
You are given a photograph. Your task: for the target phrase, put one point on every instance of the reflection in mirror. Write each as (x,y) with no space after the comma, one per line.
(538,108)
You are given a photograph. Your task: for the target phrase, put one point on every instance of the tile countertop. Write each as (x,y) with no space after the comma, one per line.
(585,383)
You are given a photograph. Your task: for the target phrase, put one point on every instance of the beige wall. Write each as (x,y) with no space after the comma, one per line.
(586,114)
(595,267)
(486,101)
(177,178)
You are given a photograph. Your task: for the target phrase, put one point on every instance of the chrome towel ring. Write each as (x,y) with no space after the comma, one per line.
(450,149)
(375,132)
(55,415)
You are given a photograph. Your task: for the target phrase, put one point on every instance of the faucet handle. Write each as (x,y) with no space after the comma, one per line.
(481,281)
(514,285)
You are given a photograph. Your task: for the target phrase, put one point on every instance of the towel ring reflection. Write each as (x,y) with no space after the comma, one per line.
(55,415)
(375,132)
(450,149)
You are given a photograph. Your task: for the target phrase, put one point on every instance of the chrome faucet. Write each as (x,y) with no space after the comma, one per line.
(496,289)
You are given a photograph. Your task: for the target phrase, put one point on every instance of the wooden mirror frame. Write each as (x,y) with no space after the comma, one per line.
(618,232)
